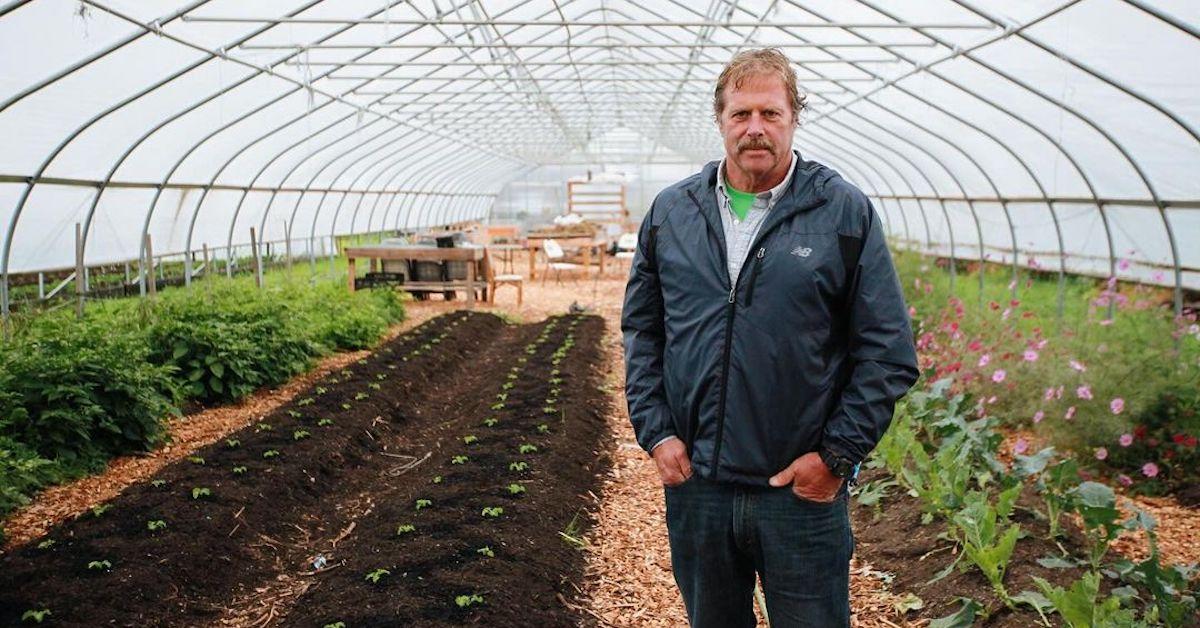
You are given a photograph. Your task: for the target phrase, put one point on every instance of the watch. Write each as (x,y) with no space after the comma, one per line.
(839,466)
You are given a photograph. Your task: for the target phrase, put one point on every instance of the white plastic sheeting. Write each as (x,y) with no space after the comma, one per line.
(1056,134)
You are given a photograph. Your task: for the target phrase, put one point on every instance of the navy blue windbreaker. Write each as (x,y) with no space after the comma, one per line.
(811,348)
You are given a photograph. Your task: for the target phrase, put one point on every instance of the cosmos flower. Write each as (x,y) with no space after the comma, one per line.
(999,375)
(1116,405)
(1101,453)
(1149,469)
(1126,439)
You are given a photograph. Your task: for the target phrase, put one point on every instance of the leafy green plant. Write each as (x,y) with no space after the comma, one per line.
(543,429)
(497,406)
(263,427)
(155,525)
(459,459)
(985,540)
(301,434)
(469,439)
(196,459)
(518,466)
(360,396)
(336,624)
(99,565)
(295,414)
(324,422)
(486,551)
(491,421)
(47,544)
(527,448)
(437,479)
(99,509)
(201,491)
(376,575)
(158,483)
(1079,607)
(1170,587)
(271,453)
(1096,505)
(466,601)
(232,443)
(346,406)
(307,401)
(405,528)
(423,503)
(36,616)
(493,512)
(515,489)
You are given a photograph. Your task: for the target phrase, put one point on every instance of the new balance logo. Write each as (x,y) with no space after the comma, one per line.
(802,251)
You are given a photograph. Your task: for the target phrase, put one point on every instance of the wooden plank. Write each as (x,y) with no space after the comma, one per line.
(423,253)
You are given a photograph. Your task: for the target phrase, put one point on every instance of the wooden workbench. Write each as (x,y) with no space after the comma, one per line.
(534,244)
(425,254)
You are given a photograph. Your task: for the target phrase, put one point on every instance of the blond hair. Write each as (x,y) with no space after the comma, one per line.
(759,62)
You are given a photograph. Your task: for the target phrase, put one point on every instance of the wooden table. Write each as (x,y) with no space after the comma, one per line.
(426,254)
(506,252)
(534,244)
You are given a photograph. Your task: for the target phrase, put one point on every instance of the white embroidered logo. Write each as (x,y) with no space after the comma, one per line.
(802,251)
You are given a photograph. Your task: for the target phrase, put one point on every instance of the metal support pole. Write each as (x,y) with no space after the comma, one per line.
(149,261)
(79,278)
(258,278)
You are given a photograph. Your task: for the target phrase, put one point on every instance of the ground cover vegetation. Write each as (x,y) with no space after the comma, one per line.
(74,393)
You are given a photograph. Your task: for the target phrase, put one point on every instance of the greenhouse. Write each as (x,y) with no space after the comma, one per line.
(417,313)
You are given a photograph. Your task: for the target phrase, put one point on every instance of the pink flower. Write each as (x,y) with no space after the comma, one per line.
(1049,393)
(1101,453)
(998,375)
(1116,405)
(1021,446)
(1126,439)
(1084,392)
(1124,480)
(984,359)
(1041,344)
(1070,413)
(992,399)
(1149,469)
(1038,416)
(912,312)
(1031,355)
(1078,366)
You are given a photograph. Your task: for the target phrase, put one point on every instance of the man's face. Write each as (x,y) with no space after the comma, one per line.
(757,125)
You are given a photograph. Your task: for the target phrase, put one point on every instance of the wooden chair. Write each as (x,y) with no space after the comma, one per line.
(626,246)
(554,260)
(494,281)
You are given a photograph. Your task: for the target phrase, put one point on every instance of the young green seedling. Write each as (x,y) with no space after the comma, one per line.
(345,406)
(437,479)
(99,510)
(375,576)
(201,491)
(405,528)
(549,410)
(158,483)
(360,396)
(466,601)
(271,453)
(307,401)
(459,459)
(491,421)
(527,449)
(263,427)
(324,422)
(320,390)
(492,512)
(196,459)
(239,470)
(36,616)
(336,624)
(498,406)
(295,414)
(423,503)
(155,525)
(99,565)
(520,465)
(543,429)
(486,551)
(515,489)
(232,443)
(47,544)
(470,438)
(373,386)
(300,434)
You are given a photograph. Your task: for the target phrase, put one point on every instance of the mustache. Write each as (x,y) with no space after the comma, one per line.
(756,143)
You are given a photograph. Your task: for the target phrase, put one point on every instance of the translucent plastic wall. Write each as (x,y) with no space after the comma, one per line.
(1060,135)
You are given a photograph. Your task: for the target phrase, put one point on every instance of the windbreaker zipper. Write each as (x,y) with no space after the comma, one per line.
(732,301)
(754,275)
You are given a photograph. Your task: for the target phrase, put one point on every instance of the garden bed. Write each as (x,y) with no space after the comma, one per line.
(260,506)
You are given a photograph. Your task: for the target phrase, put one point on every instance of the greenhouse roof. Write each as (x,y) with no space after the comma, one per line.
(1055,134)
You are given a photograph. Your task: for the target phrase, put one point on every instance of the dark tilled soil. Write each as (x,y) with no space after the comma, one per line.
(896,542)
(345,454)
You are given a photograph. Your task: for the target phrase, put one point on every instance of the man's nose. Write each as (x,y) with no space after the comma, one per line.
(755,127)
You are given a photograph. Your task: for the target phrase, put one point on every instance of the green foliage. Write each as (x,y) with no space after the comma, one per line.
(460,459)
(405,528)
(99,565)
(985,540)
(36,616)
(77,392)
(515,489)
(492,512)
(1079,608)
(527,448)
(486,551)
(423,503)
(376,575)
(201,491)
(155,525)
(22,472)
(465,601)
(518,466)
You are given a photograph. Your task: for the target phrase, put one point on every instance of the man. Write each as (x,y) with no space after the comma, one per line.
(766,343)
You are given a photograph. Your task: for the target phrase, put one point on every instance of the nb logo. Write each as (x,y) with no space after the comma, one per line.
(802,251)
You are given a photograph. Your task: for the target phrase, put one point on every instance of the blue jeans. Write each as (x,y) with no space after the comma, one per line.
(723,534)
